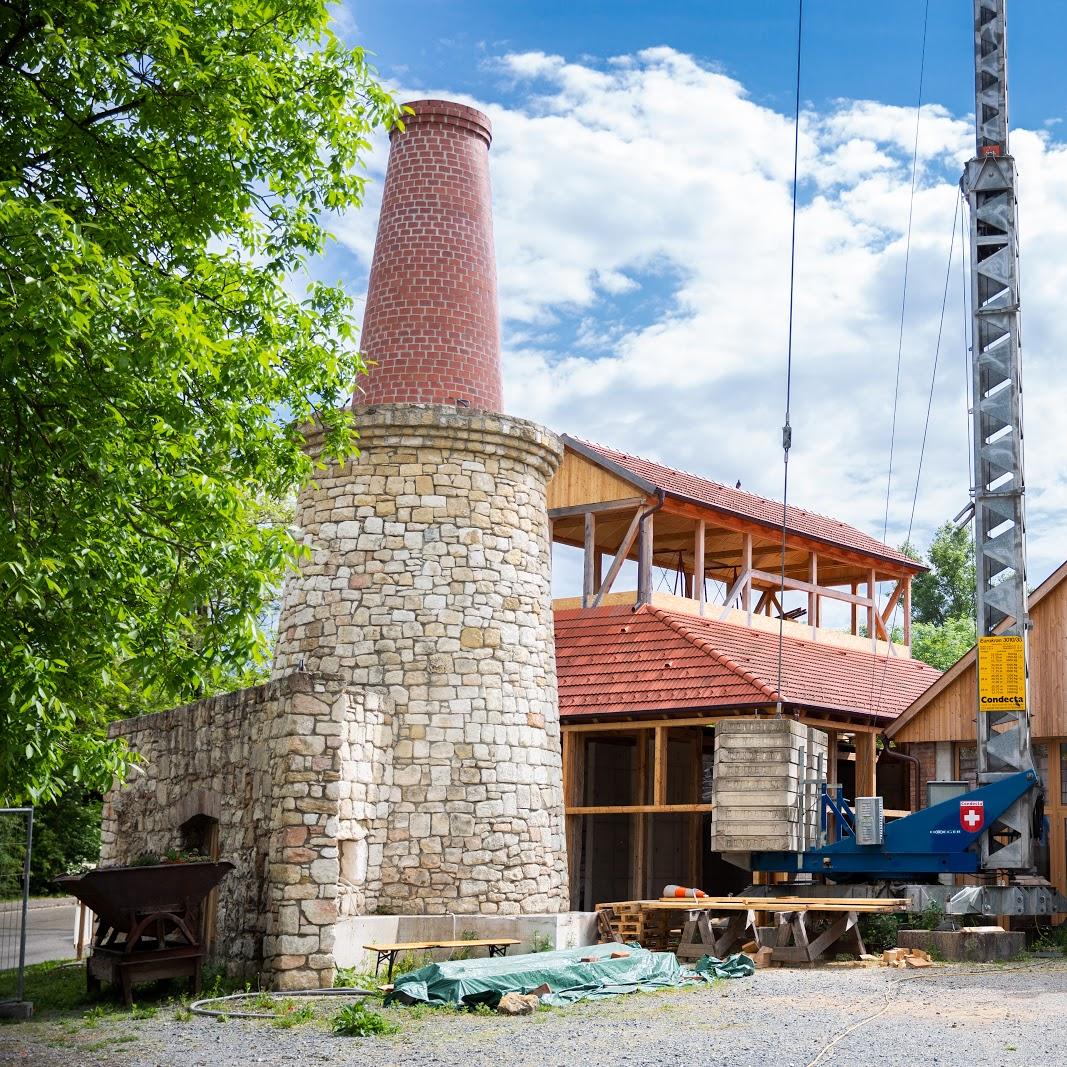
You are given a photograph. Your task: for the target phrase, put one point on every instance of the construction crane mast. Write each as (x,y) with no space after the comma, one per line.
(999,518)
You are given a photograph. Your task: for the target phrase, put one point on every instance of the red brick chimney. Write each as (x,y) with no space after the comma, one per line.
(431,319)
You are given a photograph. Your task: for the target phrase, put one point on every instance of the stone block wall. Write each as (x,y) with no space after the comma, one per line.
(268,764)
(428,577)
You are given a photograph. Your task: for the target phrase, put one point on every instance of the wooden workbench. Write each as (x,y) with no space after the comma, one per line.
(718,926)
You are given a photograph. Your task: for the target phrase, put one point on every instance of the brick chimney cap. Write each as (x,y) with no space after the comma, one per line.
(449,113)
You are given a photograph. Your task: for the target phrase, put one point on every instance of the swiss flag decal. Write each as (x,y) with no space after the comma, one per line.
(972,815)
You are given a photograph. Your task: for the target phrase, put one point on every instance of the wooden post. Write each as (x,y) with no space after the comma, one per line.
(866,765)
(872,588)
(746,566)
(659,771)
(644,561)
(907,610)
(696,821)
(574,750)
(698,563)
(639,824)
(813,596)
(855,612)
(589,560)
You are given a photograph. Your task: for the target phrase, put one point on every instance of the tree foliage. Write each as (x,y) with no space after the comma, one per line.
(165,165)
(947,590)
(943,599)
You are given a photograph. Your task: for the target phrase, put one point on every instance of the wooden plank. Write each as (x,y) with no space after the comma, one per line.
(598,507)
(578,480)
(907,610)
(620,558)
(659,769)
(588,559)
(640,809)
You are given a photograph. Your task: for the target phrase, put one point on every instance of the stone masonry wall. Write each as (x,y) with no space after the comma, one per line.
(429,578)
(266,763)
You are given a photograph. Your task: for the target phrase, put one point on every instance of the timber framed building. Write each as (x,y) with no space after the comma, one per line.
(644,675)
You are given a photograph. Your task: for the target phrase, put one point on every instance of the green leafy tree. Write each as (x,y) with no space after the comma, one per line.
(947,590)
(165,170)
(942,599)
(941,644)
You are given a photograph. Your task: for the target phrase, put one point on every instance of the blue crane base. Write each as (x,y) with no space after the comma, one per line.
(941,839)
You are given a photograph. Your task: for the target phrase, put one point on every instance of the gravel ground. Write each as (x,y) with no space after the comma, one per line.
(949,1014)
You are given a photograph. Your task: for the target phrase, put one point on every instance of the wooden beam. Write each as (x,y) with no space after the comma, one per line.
(640,809)
(698,562)
(620,558)
(775,581)
(872,587)
(589,560)
(630,726)
(644,560)
(813,595)
(659,769)
(733,592)
(891,603)
(772,531)
(855,611)
(574,510)
(866,765)
(907,610)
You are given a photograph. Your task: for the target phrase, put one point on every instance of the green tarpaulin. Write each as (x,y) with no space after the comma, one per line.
(485,981)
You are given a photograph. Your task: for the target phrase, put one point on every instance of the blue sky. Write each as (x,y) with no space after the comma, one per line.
(852,49)
(641,167)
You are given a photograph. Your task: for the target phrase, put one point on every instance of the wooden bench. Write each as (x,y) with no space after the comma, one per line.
(498,946)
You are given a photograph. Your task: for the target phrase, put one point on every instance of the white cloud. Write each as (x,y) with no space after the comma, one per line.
(642,212)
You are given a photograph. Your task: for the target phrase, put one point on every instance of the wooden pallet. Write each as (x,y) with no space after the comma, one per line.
(658,930)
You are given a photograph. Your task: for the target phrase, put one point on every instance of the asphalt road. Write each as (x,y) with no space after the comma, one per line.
(49,935)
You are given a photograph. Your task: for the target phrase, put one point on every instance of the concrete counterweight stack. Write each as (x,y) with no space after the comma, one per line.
(762,803)
(428,584)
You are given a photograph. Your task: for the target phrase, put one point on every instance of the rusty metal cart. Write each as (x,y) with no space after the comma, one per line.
(148,921)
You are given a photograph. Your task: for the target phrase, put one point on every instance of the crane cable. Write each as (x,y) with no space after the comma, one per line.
(873,593)
(956,217)
(787,430)
(907,262)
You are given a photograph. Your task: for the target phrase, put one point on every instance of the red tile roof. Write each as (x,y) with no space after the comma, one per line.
(614,660)
(759,509)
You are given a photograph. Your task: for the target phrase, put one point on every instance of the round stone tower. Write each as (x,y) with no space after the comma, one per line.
(428,579)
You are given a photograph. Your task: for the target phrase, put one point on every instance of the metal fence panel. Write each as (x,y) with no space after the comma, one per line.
(16,846)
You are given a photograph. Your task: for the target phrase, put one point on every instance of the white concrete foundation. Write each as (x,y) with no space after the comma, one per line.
(569,929)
